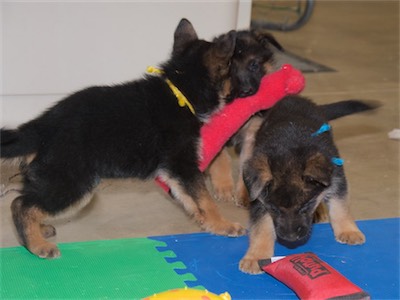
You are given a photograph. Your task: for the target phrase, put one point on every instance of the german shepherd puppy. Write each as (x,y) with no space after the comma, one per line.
(287,171)
(291,167)
(135,129)
(252,59)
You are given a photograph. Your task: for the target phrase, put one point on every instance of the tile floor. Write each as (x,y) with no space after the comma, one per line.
(359,39)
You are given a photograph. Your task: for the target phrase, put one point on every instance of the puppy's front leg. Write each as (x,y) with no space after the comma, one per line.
(262,239)
(212,221)
(198,203)
(344,227)
(247,134)
(221,177)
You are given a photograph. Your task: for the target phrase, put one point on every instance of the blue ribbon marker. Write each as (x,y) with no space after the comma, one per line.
(337,161)
(324,128)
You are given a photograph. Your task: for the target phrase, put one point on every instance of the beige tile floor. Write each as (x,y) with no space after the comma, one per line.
(360,39)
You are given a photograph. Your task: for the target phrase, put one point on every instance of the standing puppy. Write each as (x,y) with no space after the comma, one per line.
(289,164)
(144,128)
(292,166)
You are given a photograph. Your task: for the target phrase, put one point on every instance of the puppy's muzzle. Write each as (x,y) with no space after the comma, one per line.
(294,238)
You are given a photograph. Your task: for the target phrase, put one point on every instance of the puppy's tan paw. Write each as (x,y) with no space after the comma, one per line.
(224,193)
(242,201)
(351,237)
(241,195)
(250,266)
(46,250)
(225,228)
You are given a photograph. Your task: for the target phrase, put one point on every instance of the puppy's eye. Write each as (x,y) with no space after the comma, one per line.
(312,181)
(274,209)
(254,66)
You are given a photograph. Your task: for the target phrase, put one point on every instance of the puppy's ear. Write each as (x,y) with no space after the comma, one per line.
(318,170)
(184,34)
(225,45)
(265,38)
(219,56)
(257,177)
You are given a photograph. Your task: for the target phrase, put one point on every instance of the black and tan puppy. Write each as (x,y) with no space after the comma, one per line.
(252,59)
(291,167)
(286,165)
(135,129)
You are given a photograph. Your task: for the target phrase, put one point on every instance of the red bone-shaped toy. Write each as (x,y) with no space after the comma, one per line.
(225,123)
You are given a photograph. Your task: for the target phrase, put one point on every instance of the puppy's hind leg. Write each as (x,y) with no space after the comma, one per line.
(47,192)
(47,230)
(344,227)
(28,221)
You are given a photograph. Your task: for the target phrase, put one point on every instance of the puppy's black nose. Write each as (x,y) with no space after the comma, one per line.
(294,239)
(292,244)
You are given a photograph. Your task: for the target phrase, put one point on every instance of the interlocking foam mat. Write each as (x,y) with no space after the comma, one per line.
(127,268)
(138,267)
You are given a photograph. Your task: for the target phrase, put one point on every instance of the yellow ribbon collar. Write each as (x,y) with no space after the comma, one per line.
(182,100)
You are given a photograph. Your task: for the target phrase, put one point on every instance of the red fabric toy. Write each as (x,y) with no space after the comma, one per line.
(312,278)
(225,123)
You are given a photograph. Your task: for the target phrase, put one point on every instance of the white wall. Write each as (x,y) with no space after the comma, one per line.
(50,49)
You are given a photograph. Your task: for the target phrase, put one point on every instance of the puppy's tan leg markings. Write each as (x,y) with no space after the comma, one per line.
(214,222)
(262,240)
(28,221)
(47,230)
(321,214)
(179,194)
(204,210)
(241,193)
(250,131)
(221,177)
(344,227)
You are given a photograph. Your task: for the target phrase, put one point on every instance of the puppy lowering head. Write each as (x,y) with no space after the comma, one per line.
(295,166)
(288,186)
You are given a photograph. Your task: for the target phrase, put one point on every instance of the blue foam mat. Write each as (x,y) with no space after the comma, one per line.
(214,261)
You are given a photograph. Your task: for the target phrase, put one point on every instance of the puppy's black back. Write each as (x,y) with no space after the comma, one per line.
(288,128)
(134,129)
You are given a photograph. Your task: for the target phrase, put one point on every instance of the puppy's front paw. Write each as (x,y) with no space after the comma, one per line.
(223,227)
(224,193)
(250,266)
(351,237)
(242,196)
(242,202)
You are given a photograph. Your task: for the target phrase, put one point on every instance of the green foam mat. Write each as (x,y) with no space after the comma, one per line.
(126,268)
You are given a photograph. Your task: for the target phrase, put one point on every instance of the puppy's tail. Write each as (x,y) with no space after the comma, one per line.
(347,107)
(18,142)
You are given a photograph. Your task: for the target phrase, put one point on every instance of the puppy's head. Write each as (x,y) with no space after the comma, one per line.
(210,60)
(252,59)
(289,189)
